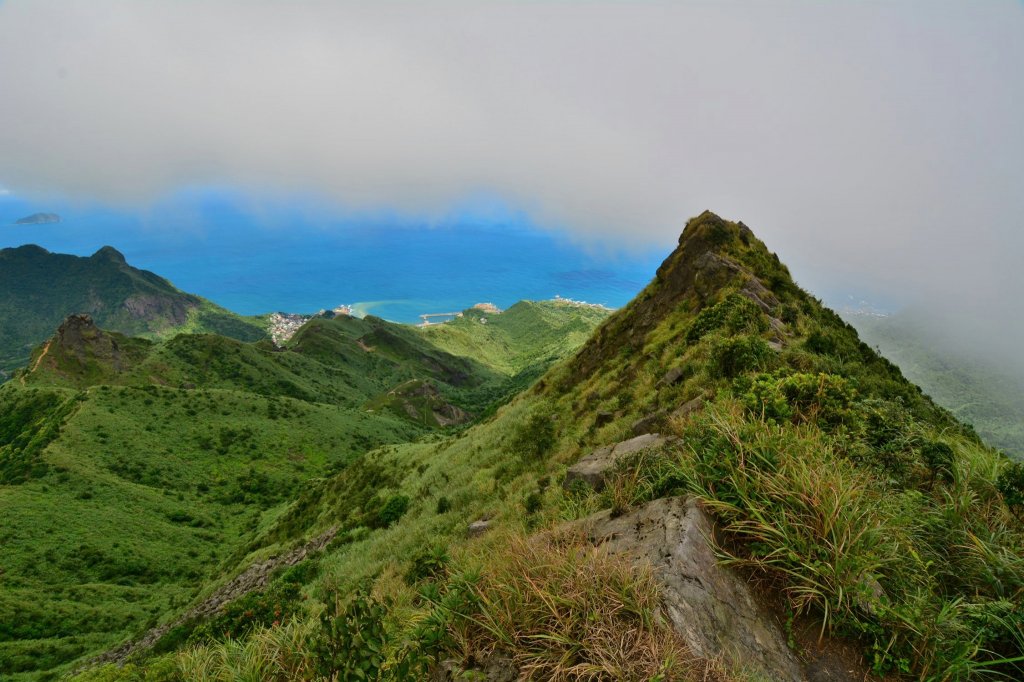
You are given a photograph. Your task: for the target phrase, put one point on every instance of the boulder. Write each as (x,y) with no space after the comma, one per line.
(688,408)
(648,423)
(672,377)
(713,608)
(594,468)
(478,528)
(604,418)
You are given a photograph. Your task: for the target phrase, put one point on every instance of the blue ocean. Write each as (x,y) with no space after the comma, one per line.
(300,255)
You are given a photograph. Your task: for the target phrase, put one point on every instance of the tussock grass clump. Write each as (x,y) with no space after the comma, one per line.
(564,610)
(929,577)
(275,654)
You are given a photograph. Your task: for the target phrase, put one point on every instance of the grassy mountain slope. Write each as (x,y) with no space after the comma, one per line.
(977,390)
(136,475)
(520,342)
(850,498)
(38,289)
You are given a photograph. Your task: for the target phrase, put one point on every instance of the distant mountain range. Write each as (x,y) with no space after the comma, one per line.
(38,289)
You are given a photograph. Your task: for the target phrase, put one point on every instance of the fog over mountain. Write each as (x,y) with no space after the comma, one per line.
(878,147)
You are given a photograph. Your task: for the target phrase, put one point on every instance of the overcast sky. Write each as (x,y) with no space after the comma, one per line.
(872,144)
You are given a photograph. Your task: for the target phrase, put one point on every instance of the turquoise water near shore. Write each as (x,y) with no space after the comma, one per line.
(300,257)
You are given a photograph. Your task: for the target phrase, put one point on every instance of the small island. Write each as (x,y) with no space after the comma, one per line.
(38,219)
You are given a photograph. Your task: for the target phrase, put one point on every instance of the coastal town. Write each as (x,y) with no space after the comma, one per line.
(282,326)
(579,304)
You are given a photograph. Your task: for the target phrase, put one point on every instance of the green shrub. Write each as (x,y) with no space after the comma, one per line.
(938,457)
(429,564)
(733,356)
(390,512)
(824,399)
(350,643)
(733,315)
(535,437)
(444,505)
(1011,485)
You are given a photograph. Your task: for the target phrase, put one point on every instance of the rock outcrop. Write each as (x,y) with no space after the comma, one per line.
(710,606)
(255,577)
(79,339)
(694,274)
(593,469)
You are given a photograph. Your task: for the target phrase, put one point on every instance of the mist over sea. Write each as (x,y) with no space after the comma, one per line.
(298,256)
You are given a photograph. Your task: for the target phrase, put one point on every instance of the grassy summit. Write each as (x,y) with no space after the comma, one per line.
(38,289)
(854,502)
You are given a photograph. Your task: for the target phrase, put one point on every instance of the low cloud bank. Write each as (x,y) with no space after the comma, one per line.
(874,145)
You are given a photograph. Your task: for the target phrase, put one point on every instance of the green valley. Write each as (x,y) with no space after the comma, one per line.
(135,474)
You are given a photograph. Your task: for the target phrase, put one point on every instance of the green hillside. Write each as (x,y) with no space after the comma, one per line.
(978,390)
(136,474)
(38,289)
(860,510)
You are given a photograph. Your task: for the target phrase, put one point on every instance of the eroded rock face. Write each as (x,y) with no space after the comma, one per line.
(710,606)
(595,467)
(78,337)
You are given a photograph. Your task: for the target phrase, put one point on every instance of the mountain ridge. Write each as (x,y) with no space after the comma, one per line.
(856,507)
(40,288)
(828,477)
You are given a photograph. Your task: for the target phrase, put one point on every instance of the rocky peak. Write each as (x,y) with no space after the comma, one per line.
(79,336)
(80,348)
(111,254)
(713,255)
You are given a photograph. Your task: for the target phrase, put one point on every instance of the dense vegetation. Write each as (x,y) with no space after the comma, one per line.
(842,491)
(138,476)
(38,289)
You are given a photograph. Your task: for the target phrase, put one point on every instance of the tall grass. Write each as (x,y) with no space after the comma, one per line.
(277,654)
(930,578)
(564,610)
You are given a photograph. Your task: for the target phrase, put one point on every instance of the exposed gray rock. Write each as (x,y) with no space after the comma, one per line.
(707,604)
(688,408)
(478,528)
(648,423)
(759,294)
(673,376)
(594,468)
(778,327)
(604,418)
